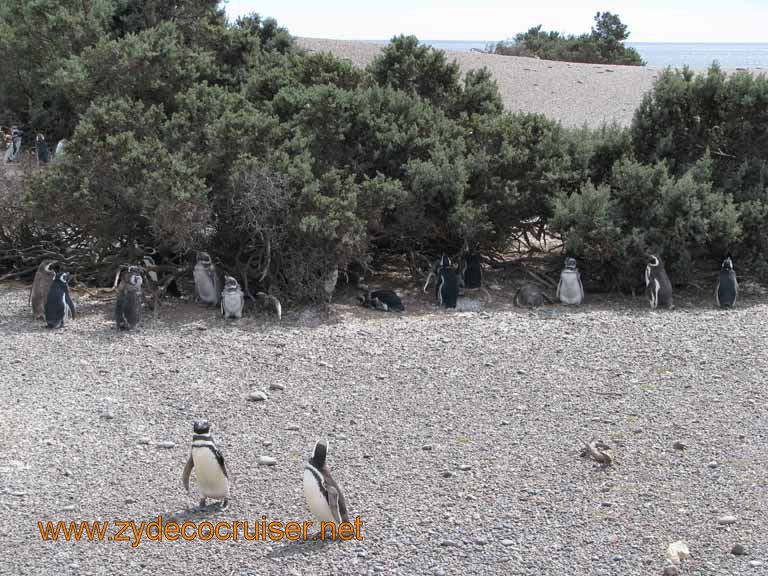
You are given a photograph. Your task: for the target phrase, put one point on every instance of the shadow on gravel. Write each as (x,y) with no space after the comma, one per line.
(297,547)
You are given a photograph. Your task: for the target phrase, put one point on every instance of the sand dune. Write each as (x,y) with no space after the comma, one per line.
(574,94)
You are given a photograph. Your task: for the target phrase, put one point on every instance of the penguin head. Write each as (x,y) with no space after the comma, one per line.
(445,261)
(728,263)
(653,261)
(47,265)
(62,277)
(570,263)
(201,426)
(40,138)
(230,283)
(203,257)
(148,260)
(319,452)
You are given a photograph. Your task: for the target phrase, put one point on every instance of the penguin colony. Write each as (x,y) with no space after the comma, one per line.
(49,296)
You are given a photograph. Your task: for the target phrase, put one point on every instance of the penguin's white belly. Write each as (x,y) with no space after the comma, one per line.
(205,288)
(570,290)
(233,304)
(315,499)
(210,477)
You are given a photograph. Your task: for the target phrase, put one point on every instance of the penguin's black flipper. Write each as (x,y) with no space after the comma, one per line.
(220,459)
(333,503)
(187,471)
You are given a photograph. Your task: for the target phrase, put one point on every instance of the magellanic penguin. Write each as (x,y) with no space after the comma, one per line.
(569,289)
(384,300)
(447,283)
(324,496)
(270,304)
(529,296)
(232,299)
(208,461)
(58,305)
(40,287)
(657,283)
(727,288)
(207,282)
(472,271)
(41,146)
(128,307)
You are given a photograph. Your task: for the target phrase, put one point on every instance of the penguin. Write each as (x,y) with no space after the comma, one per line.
(529,296)
(150,262)
(657,283)
(383,300)
(447,285)
(128,307)
(727,288)
(569,289)
(324,496)
(207,282)
(270,304)
(58,305)
(40,287)
(232,299)
(472,271)
(13,152)
(212,477)
(60,148)
(41,146)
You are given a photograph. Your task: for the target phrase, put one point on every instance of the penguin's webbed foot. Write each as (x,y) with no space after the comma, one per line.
(202,504)
(225,503)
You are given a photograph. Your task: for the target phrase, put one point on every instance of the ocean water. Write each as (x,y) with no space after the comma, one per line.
(698,56)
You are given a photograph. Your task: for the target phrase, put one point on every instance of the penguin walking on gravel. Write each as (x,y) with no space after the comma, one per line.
(657,283)
(324,496)
(128,306)
(208,461)
(40,286)
(58,304)
(727,288)
(570,289)
(232,299)
(207,282)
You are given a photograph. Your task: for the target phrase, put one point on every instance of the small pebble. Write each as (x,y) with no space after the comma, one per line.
(266,461)
(293,427)
(738,550)
(671,571)
(448,474)
(144,440)
(679,446)
(713,464)
(267,443)
(465,467)
(427,447)
(439,572)
(447,543)
(481,541)
(506,542)
(276,386)
(109,415)
(617,558)
(69,508)
(167,444)
(130,500)
(755,563)
(257,396)
(68,473)
(726,520)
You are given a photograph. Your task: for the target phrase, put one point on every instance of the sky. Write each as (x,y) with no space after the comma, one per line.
(648,20)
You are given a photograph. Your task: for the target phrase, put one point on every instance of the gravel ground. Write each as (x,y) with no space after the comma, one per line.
(455,435)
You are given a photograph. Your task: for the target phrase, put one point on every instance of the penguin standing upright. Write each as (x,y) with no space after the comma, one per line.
(41,146)
(58,305)
(324,496)
(657,283)
(40,287)
(472,271)
(128,307)
(13,153)
(232,299)
(447,286)
(208,461)
(569,289)
(727,288)
(207,282)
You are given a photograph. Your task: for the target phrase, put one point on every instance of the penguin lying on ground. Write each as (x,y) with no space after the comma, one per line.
(324,496)
(657,283)
(208,461)
(40,287)
(530,296)
(727,288)
(207,281)
(569,289)
(384,300)
(128,306)
(232,299)
(58,305)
